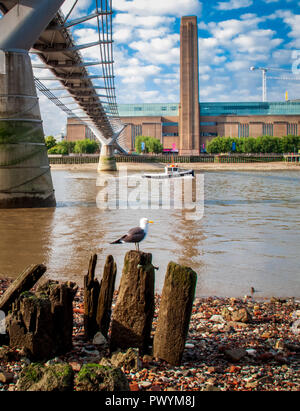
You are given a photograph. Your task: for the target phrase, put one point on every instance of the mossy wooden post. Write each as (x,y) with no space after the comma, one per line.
(134,310)
(42,323)
(107,288)
(24,282)
(91,296)
(174,313)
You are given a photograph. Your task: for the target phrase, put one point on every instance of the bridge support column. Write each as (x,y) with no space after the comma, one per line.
(25,179)
(107,161)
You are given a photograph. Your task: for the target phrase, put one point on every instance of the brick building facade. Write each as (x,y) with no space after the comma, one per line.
(161,121)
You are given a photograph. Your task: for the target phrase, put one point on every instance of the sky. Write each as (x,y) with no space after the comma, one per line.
(233,36)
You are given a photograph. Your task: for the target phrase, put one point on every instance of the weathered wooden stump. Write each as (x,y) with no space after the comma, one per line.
(91,296)
(24,282)
(174,313)
(107,288)
(42,323)
(134,310)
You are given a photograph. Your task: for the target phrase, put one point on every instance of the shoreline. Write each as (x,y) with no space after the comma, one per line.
(258,353)
(4,279)
(274,166)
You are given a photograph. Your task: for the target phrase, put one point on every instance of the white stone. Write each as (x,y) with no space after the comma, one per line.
(99,339)
(189,345)
(217,319)
(251,351)
(145,384)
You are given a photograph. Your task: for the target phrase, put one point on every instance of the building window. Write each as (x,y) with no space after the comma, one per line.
(292,129)
(268,130)
(243,130)
(169,124)
(137,108)
(170,134)
(202,134)
(208,123)
(135,131)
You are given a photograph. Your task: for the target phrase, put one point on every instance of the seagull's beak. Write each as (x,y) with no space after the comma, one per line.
(151,222)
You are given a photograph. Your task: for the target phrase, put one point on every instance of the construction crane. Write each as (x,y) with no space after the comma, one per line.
(264,71)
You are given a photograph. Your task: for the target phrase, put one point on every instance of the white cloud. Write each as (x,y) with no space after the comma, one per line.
(292,21)
(78,10)
(85,36)
(257,41)
(158,7)
(144,30)
(129,27)
(149,21)
(233,46)
(122,35)
(234,4)
(54,119)
(159,50)
(135,72)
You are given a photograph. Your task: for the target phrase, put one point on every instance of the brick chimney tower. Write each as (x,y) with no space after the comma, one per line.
(189,122)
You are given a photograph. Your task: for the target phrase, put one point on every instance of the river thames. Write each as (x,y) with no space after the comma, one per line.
(248,237)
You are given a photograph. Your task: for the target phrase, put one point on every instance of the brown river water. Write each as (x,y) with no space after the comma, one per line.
(248,237)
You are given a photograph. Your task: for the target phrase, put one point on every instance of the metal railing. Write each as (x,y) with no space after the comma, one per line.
(94,158)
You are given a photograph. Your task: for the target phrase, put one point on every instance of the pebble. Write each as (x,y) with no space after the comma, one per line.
(269,346)
(145,384)
(189,345)
(6,377)
(75,366)
(251,352)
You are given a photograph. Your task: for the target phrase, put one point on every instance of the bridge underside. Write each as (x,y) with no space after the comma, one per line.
(38,26)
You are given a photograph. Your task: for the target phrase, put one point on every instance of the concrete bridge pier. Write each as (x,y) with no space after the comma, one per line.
(25,179)
(107,161)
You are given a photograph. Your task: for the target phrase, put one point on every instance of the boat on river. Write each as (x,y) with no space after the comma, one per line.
(171,171)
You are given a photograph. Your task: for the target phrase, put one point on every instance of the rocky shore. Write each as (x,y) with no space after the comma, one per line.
(233,345)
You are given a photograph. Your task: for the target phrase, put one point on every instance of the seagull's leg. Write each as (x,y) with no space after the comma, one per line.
(138,246)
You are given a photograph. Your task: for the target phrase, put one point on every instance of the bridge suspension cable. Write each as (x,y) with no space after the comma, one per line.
(65,59)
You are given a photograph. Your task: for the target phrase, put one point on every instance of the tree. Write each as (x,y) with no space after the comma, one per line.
(50,142)
(263,144)
(289,144)
(86,147)
(138,144)
(64,148)
(152,145)
(155,146)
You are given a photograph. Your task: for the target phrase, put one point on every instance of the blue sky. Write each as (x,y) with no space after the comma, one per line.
(233,36)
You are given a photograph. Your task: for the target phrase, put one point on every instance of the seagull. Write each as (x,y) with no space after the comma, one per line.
(135,235)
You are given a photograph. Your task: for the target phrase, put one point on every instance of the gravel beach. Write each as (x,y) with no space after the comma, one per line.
(259,351)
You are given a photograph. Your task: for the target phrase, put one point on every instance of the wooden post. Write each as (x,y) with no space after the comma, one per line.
(134,310)
(42,323)
(107,288)
(24,282)
(91,295)
(174,313)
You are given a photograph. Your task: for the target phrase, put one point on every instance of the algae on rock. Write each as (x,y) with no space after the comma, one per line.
(38,377)
(95,377)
